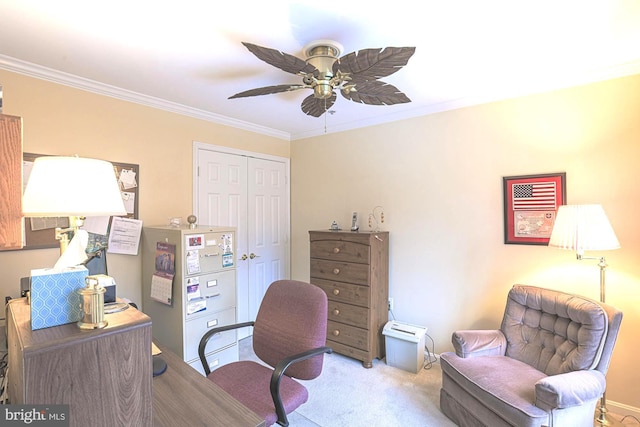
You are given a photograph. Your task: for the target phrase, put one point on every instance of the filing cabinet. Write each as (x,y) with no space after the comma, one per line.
(353,270)
(203,291)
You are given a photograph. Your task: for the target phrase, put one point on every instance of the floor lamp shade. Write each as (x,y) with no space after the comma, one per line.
(72,186)
(586,228)
(583,228)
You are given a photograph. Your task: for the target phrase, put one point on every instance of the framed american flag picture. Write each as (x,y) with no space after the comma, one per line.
(530,206)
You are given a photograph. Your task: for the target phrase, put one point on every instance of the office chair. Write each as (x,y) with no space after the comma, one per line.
(289,335)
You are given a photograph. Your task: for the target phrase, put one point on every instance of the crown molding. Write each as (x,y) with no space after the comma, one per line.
(48,74)
(29,69)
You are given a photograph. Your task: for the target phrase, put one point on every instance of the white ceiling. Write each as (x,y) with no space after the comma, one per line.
(187,56)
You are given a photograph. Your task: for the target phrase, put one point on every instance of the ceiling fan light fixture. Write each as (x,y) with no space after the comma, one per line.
(323,90)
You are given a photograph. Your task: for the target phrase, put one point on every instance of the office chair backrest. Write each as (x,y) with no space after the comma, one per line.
(292,319)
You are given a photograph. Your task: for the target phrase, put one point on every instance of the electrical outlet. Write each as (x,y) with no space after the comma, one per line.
(390,304)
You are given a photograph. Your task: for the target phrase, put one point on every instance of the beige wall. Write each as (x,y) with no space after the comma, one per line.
(65,121)
(439,179)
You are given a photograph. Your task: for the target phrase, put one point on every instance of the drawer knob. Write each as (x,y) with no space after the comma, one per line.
(336,311)
(336,332)
(336,250)
(336,291)
(336,271)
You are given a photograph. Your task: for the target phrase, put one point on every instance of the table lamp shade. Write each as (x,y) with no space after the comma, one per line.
(583,228)
(72,186)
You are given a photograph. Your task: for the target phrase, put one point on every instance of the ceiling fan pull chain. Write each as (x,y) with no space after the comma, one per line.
(325,115)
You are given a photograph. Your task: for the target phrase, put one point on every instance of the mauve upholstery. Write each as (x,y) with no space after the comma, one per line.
(545,366)
(292,319)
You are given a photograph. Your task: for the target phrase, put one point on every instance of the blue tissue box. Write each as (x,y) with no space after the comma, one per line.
(54,297)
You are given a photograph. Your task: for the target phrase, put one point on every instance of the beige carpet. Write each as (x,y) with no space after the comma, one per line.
(346,394)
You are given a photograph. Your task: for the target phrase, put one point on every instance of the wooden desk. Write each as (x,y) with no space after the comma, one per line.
(104,375)
(183,397)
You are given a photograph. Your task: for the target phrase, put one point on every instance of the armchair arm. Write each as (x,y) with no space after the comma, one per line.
(211,332)
(280,370)
(570,389)
(473,343)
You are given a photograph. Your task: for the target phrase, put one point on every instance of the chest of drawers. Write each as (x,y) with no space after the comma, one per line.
(353,270)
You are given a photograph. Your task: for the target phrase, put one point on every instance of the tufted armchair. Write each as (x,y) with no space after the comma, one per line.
(545,366)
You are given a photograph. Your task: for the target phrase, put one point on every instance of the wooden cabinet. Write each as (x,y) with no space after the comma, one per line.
(104,375)
(10,182)
(353,270)
(203,293)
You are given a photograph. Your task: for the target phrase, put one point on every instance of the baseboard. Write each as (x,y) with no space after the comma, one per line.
(622,409)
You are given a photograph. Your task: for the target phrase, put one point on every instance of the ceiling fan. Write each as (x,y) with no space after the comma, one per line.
(355,74)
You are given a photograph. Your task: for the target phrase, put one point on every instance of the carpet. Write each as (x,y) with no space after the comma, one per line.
(346,394)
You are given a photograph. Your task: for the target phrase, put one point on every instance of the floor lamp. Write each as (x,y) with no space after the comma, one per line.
(586,228)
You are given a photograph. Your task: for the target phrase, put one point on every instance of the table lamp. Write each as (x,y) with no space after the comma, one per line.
(71,186)
(75,187)
(586,228)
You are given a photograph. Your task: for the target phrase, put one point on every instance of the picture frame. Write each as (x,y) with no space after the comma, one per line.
(530,206)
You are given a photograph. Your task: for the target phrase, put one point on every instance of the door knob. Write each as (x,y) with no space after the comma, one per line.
(244,257)
(252,255)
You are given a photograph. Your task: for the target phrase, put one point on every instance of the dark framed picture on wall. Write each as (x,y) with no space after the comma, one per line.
(530,206)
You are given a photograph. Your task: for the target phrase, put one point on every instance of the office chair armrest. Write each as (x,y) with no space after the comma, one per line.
(281,369)
(211,332)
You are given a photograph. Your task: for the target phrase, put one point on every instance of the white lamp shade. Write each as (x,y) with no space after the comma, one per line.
(583,228)
(72,186)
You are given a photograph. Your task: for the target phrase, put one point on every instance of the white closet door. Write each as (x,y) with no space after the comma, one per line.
(251,194)
(268,214)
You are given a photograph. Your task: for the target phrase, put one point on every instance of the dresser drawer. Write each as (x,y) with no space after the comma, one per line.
(340,271)
(344,292)
(337,250)
(196,328)
(349,314)
(348,335)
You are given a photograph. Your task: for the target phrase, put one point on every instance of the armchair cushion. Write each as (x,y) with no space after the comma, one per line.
(484,377)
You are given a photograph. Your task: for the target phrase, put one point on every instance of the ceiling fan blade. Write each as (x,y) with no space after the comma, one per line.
(316,107)
(371,64)
(375,92)
(267,90)
(284,61)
